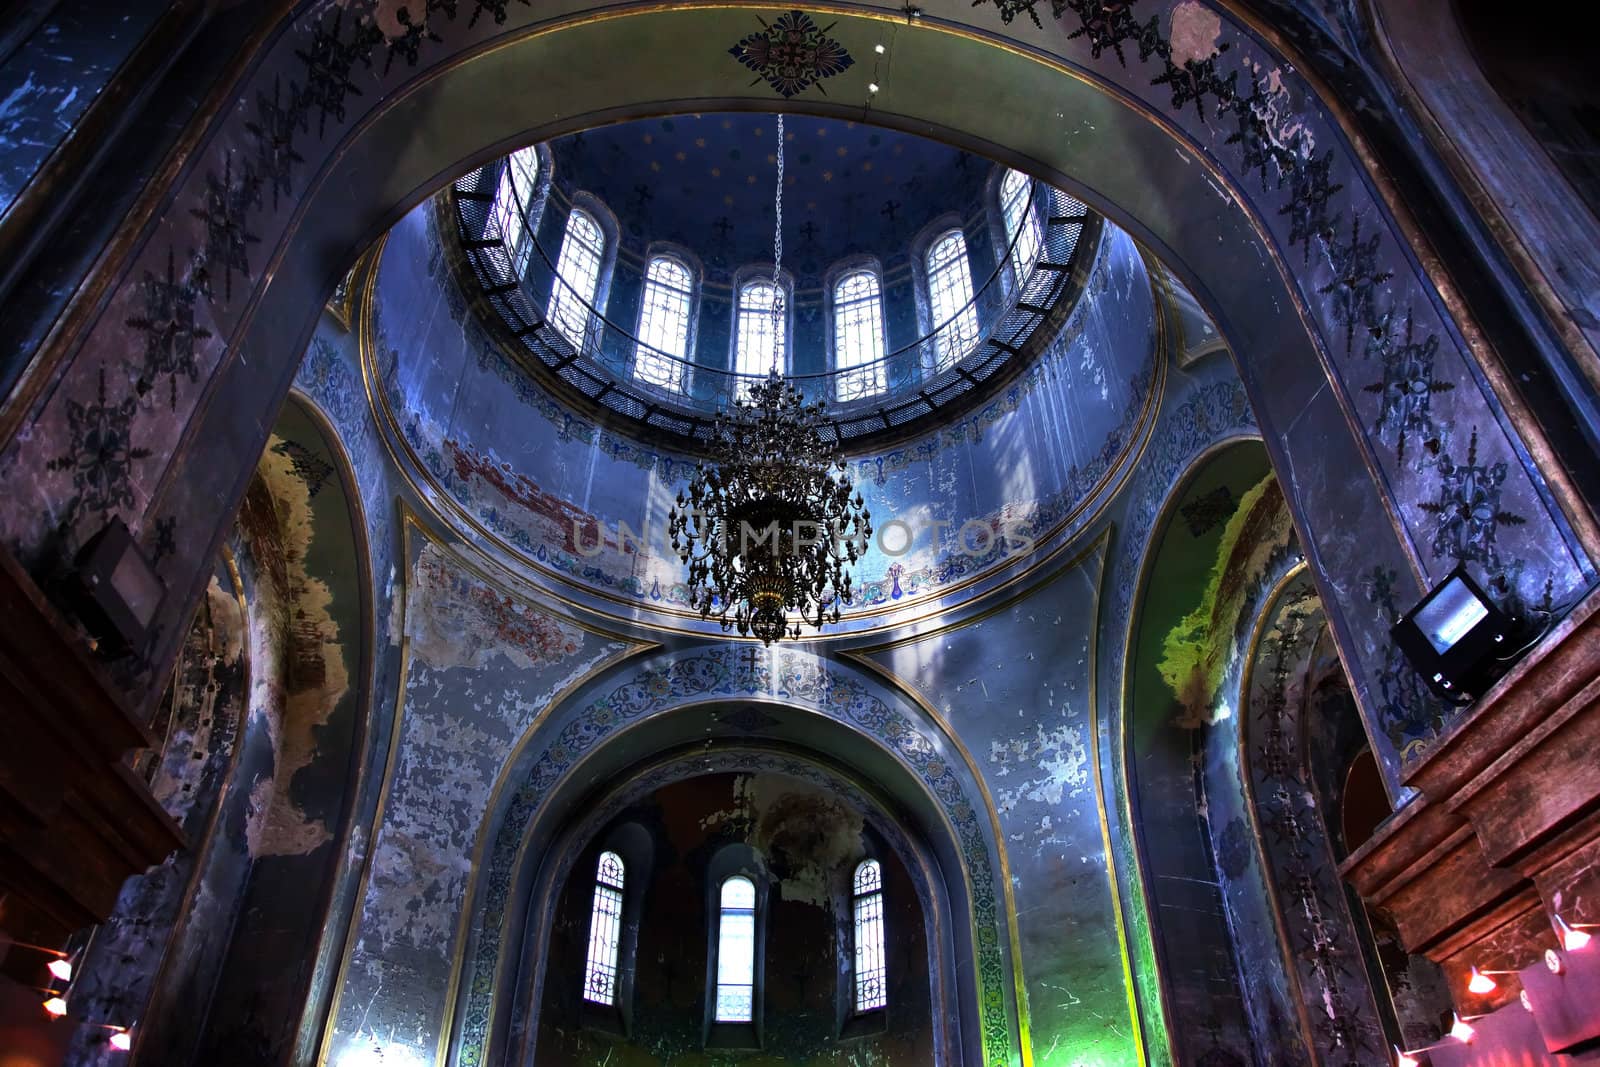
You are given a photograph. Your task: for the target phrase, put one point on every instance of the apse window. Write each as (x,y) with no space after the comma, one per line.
(577,277)
(1023,232)
(513,200)
(955,320)
(736,952)
(664,324)
(605,931)
(858,336)
(870,970)
(759,335)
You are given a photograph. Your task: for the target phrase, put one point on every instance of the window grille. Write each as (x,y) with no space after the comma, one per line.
(605,931)
(858,336)
(513,199)
(577,277)
(754,337)
(955,320)
(870,971)
(1023,231)
(664,324)
(736,952)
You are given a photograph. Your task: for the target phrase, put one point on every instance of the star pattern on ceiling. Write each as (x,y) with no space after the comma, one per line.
(792,53)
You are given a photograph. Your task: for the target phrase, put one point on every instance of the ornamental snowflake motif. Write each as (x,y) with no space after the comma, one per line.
(792,53)
(1468,510)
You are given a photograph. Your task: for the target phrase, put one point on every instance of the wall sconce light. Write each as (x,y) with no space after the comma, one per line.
(1572,938)
(1461,1030)
(1454,638)
(1405,1059)
(56,1007)
(118,591)
(60,968)
(1480,982)
(121,1039)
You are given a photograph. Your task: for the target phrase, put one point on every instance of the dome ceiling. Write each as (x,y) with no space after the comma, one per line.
(706,182)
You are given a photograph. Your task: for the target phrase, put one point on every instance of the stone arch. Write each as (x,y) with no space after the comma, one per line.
(1468,79)
(1328,950)
(1182,126)
(1180,689)
(744,752)
(283,645)
(784,697)
(1231,807)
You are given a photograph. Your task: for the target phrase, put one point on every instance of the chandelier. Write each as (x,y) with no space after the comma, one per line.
(767,524)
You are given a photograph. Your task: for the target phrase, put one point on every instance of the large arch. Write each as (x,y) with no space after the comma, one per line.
(1179,123)
(666,700)
(744,753)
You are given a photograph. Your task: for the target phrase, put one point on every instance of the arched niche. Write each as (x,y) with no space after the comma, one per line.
(1239,732)
(829,711)
(797,824)
(234,976)
(1178,123)
(1180,681)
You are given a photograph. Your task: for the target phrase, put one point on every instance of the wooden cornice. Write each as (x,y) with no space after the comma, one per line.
(75,822)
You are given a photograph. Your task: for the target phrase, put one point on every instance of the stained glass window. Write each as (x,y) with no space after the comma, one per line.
(1023,231)
(577,276)
(605,931)
(664,324)
(867,898)
(513,199)
(955,320)
(858,335)
(736,952)
(755,335)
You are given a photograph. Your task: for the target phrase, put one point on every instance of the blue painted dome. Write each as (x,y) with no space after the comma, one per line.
(705,183)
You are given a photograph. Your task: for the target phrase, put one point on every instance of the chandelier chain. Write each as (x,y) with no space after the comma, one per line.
(777,255)
(771,524)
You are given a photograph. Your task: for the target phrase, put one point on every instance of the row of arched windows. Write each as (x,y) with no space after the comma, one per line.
(665,311)
(737,976)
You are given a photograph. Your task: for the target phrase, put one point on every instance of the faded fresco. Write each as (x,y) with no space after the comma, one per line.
(483,665)
(554,489)
(1018,688)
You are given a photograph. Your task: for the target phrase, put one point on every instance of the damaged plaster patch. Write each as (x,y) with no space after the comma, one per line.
(1054,763)
(806,835)
(203,707)
(296,627)
(457,620)
(485,664)
(1196,32)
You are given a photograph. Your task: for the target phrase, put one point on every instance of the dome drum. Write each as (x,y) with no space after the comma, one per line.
(896,395)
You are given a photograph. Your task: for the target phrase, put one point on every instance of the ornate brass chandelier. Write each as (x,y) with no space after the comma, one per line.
(768,525)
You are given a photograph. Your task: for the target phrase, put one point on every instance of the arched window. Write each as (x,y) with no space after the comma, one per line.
(866,895)
(736,952)
(955,320)
(664,324)
(513,202)
(858,335)
(754,335)
(605,931)
(577,276)
(1023,232)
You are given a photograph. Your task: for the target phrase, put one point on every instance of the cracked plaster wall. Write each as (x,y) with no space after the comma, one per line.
(485,662)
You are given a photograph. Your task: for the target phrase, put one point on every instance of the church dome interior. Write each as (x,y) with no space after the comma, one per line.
(1003,535)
